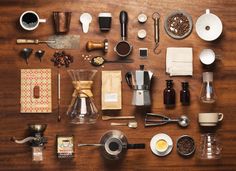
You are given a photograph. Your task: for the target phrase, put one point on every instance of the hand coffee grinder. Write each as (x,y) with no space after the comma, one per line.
(35,139)
(140,82)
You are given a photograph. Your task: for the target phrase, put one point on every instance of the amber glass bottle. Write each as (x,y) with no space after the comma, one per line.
(169,94)
(185,94)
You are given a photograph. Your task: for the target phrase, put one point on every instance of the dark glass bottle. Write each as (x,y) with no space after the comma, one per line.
(169,94)
(185,94)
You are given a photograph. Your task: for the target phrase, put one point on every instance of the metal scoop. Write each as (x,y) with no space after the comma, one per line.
(99,60)
(183,120)
(130,124)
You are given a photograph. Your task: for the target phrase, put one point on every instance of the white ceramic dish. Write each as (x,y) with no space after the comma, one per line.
(209,26)
(158,137)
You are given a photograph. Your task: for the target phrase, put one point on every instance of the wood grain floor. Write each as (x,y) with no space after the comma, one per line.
(12,123)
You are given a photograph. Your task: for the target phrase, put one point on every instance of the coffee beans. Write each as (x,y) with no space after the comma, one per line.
(60,58)
(185,145)
(178,24)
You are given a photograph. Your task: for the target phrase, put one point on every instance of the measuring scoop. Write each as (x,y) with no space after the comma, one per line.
(99,60)
(85,20)
(130,124)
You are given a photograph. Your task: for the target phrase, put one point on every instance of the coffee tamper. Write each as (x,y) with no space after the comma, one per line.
(91,45)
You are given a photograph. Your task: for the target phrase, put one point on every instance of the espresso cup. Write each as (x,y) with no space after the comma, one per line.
(209,119)
(29,20)
(162,146)
(104,20)
(207,57)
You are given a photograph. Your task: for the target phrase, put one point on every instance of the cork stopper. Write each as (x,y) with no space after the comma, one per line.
(207,76)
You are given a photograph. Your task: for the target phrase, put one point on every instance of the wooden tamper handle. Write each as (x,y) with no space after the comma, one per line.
(91,45)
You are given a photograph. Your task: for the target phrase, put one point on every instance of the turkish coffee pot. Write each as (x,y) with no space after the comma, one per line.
(140,82)
(35,139)
(114,145)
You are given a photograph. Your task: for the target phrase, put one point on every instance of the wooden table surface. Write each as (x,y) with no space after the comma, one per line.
(12,123)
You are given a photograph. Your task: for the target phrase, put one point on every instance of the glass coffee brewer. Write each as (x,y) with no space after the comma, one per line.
(82,109)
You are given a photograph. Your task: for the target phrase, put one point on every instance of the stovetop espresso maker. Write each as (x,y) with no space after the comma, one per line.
(140,82)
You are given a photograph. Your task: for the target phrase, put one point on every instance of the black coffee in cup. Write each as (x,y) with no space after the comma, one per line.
(104,20)
(29,19)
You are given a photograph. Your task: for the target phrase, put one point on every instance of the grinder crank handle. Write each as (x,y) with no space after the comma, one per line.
(128,77)
(123,22)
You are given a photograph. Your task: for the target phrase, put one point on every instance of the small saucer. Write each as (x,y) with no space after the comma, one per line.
(158,137)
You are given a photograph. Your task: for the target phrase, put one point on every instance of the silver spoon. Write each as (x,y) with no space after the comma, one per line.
(183,121)
(130,124)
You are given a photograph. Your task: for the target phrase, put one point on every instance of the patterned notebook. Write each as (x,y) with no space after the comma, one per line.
(36,95)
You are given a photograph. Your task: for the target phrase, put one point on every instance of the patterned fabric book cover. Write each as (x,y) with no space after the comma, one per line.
(36,95)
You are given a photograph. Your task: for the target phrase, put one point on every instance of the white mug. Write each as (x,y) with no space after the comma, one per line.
(209,119)
(208,57)
(29,20)
(209,26)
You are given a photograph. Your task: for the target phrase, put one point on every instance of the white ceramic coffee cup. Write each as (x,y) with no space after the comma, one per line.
(163,150)
(35,20)
(209,119)
(209,26)
(207,57)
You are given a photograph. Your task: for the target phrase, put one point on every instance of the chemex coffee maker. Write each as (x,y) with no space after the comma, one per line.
(35,139)
(140,82)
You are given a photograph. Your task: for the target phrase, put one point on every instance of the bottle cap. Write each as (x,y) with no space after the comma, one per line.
(142,18)
(207,76)
(142,34)
(169,82)
(185,84)
(141,67)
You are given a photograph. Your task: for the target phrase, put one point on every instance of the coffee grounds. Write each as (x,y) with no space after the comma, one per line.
(123,48)
(178,24)
(185,145)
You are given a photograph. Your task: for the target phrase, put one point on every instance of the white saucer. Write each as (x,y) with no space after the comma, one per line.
(159,137)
